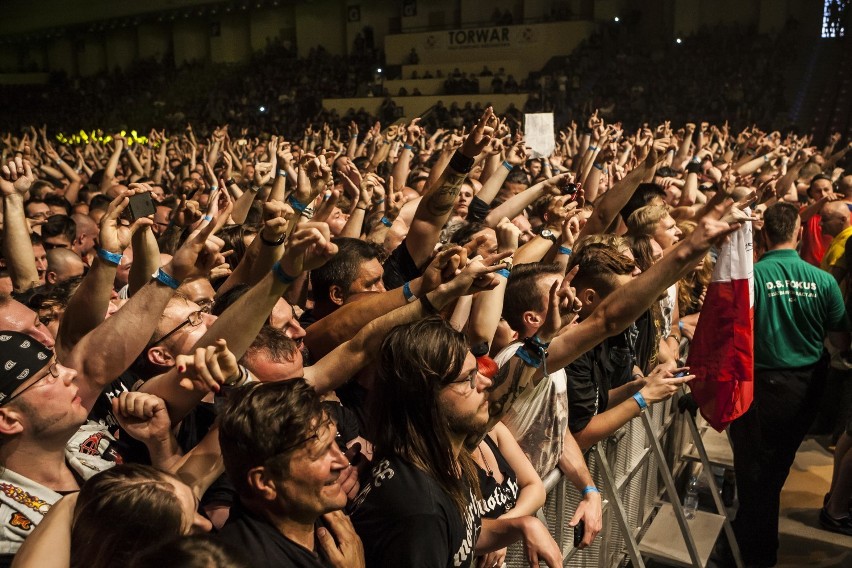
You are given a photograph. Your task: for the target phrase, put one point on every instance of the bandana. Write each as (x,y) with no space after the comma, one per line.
(21,357)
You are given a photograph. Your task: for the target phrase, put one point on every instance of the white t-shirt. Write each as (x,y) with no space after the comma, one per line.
(539,417)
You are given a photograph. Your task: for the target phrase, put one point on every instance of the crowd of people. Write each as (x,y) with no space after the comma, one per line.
(366,343)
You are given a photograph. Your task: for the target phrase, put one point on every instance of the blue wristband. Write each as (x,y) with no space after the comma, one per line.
(110,257)
(565,250)
(590,489)
(282,276)
(295,204)
(207,218)
(504,272)
(406,291)
(166,279)
(386,222)
(597,167)
(528,358)
(508,166)
(379,202)
(408,147)
(640,400)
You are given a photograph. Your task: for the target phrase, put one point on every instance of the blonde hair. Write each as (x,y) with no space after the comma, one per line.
(644,220)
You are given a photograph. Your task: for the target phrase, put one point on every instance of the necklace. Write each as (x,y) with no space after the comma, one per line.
(488,470)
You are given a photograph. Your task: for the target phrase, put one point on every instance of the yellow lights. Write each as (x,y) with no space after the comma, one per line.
(97,136)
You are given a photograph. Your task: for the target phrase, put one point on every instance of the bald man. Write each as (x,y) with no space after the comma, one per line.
(87,236)
(63,264)
(834,220)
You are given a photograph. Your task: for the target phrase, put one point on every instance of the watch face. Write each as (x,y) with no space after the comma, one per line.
(547,233)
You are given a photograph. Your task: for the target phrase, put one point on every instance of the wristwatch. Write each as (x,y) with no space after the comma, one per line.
(549,235)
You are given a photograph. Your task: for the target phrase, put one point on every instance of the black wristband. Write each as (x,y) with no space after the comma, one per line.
(461,163)
(269,243)
(428,307)
(693,168)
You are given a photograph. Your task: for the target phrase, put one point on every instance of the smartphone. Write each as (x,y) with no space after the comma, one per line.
(579,532)
(569,189)
(141,205)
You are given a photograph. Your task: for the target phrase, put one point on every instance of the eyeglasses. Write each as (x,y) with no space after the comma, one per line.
(470,379)
(52,371)
(193,320)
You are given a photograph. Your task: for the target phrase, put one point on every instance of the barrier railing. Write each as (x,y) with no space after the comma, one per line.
(628,460)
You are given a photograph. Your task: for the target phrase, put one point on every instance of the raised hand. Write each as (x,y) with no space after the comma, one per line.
(481,134)
(144,416)
(310,247)
(209,368)
(563,307)
(17,177)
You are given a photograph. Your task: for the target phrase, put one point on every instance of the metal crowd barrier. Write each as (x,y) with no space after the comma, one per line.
(634,468)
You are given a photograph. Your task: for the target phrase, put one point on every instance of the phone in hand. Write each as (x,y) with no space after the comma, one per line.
(141,205)
(569,189)
(579,532)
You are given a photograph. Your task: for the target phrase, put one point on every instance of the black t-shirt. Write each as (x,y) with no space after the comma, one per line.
(263,546)
(400,267)
(404,518)
(590,376)
(129,449)
(497,499)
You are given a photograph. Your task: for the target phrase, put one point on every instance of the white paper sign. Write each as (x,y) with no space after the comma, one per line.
(538,134)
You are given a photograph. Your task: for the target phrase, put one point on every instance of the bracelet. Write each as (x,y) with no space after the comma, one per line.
(110,257)
(597,166)
(166,279)
(593,148)
(214,188)
(231,181)
(255,188)
(766,158)
(565,250)
(640,400)
(537,342)
(640,375)
(461,163)
(590,489)
(59,162)
(361,208)
(207,218)
(379,202)
(507,165)
(504,272)
(680,325)
(275,243)
(676,336)
(282,173)
(386,222)
(408,147)
(297,205)
(406,291)
(308,213)
(282,276)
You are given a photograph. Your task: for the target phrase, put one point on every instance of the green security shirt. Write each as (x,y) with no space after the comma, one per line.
(795,305)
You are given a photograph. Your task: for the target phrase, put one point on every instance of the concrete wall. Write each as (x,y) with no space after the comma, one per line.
(233,44)
(153,41)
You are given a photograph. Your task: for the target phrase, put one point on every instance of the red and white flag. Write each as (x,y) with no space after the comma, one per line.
(721,355)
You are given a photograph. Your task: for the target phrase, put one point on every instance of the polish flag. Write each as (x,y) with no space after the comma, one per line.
(721,355)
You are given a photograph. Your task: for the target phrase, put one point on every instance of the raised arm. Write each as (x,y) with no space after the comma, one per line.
(15,182)
(437,204)
(108,350)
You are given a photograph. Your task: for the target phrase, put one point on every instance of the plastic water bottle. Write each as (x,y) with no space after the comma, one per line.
(690,500)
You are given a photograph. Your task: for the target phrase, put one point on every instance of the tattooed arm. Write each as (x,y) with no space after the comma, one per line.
(438,200)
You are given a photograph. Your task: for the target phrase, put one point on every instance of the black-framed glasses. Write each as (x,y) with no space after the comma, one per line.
(52,371)
(470,379)
(193,320)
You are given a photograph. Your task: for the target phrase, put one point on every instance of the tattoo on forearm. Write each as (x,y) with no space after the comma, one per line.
(440,202)
(515,368)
